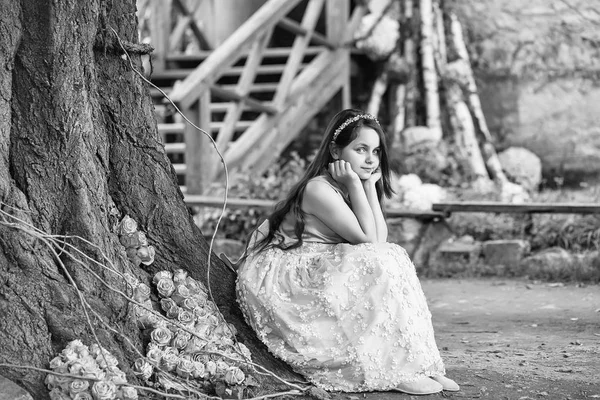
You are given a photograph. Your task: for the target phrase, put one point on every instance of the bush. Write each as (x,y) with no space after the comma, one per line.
(272,185)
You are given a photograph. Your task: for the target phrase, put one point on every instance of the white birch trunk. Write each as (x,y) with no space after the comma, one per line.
(430,79)
(399,113)
(379,88)
(410,57)
(473,102)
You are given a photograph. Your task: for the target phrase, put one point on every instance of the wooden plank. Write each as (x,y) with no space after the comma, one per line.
(270,52)
(193,25)
(226,54)
(336,14)
(178,32)
(200,155)
(309,21)
(297,29)
(243,87)
(249,101)
(217,202)
(524,208)
(178,127)
(160,26)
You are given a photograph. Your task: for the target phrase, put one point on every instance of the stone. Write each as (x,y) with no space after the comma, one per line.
(504,252)
(464,250)
(437,232)
(551,263)
(522,166)
(11,391)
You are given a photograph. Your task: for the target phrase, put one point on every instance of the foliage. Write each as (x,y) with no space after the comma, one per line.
(272,185)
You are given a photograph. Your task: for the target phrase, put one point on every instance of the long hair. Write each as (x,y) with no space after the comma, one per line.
(293,201)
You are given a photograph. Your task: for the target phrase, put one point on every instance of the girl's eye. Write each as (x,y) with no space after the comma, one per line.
(360,150)
(377,151)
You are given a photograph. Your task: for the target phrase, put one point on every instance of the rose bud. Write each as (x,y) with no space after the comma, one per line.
(180,276)
(161,336)
(127,225)
(162,275)
(234,376)
(149,258)
(165,287)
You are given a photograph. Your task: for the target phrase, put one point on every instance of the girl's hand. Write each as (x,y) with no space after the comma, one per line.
(342,172)
(375,176)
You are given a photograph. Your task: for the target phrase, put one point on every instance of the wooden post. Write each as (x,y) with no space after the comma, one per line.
(337,14)
(160,30)
(201,159)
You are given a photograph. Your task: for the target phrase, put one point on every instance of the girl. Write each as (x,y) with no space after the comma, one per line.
(322,288)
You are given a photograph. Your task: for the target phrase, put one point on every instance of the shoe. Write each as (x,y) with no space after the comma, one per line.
(420,386)
(448,384)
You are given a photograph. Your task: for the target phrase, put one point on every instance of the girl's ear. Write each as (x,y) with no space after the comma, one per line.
(334,150)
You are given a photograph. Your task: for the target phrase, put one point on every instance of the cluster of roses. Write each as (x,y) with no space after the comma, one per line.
(377,36)
(192,342)
(101,379)
(135,242)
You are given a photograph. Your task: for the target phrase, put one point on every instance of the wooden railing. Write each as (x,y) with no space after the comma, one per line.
(316,67)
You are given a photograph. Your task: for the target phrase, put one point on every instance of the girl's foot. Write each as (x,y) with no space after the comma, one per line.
(448,384)
(420,386)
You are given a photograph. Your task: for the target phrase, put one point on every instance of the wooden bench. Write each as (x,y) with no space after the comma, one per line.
(525,208)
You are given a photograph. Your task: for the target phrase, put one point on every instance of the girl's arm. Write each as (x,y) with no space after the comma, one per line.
(356,224)
(371,192)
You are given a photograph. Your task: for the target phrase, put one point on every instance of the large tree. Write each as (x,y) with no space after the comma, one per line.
(78,147)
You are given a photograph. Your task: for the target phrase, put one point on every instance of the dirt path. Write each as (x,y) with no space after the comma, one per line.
(514,340)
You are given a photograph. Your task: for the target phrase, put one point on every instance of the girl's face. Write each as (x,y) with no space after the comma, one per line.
(362,153)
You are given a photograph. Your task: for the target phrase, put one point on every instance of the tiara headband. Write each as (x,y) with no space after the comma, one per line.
(350,121)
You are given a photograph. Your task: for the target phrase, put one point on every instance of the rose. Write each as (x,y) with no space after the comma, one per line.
(195,344)
(78,386)
(180,276)
(162,275)
(199,370)
(142,369)
(57,363)
(89,369)
(104,390)
(203,329)
(106,360)
(185,368)
(173,312)
(222,368)
(141,293)
(170,350)
(199,312)
(129,393)
(132,256)
(234,376)
(149,320)
(210,367)
(146,254)
(180,293)
(192,285)
(75,368)
(185,317)
(154,355)
(165,287)
(129,241)
(189,304)
(69,354)
(83,396)
(127,225)
(130,279)
(169,361)
(201,298)
(95,350)
(57,394)
(161,336)
(180,341)
(167,303)
(201,357)
(75,344)
(115,375)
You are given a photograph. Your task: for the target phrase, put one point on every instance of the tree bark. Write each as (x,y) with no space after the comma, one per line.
(79,141)
(430,79)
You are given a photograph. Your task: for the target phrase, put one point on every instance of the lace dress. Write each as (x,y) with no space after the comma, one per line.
(347,317)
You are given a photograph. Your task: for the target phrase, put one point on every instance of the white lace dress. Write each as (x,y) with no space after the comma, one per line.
(347,317)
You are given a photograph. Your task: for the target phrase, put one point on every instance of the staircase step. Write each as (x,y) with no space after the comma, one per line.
(257,87)
(179,127)
(180,168)
(182,73)
(175,147)
(271,52)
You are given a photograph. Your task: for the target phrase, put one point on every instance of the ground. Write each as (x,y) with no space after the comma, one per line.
(513,340)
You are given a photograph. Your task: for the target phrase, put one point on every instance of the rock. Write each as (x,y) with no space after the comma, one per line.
(522,167)
(551,263)
(11,391)
(504,252)
(436,233)
(513,193)
(417,136)
(465,249)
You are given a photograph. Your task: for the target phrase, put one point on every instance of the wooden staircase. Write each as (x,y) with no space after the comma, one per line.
(255,92)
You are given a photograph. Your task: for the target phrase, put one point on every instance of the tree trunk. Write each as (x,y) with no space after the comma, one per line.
(430,79)
(79,141)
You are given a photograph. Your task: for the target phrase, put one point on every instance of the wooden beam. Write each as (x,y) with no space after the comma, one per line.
(250,102)
(297,29)
(525,208)
(226,54)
